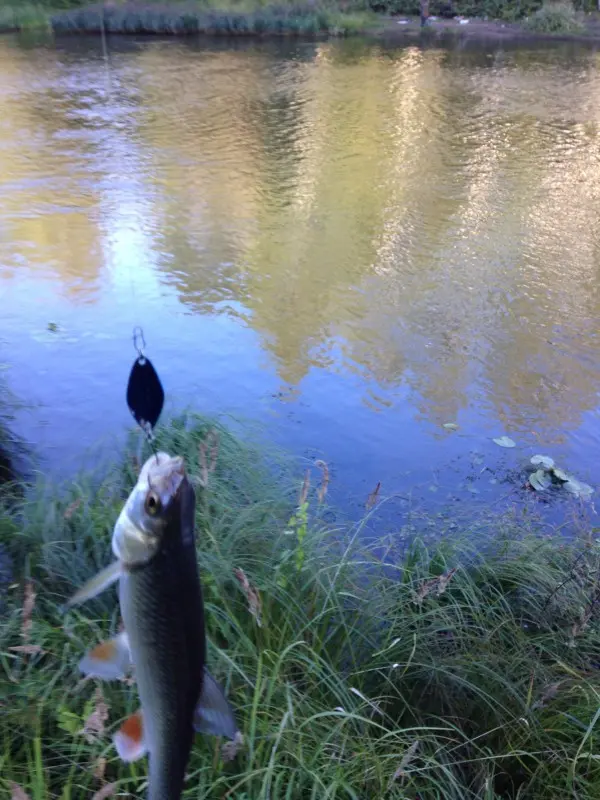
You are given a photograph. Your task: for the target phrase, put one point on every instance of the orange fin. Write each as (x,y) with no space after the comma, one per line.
(108,660)
(129,739)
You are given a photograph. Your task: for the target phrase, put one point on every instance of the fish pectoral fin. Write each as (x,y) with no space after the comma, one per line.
(108,660)
(101,581)
(213,714)
(129,739)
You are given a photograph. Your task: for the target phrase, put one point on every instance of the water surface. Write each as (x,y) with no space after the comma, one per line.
(350,245)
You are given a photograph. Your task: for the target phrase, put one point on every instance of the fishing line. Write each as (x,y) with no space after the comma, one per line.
(145,395)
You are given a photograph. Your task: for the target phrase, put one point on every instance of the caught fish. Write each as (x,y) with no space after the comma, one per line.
(162,609)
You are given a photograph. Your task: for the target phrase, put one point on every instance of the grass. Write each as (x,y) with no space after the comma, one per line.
(555,16)
(229,18)
(436,673)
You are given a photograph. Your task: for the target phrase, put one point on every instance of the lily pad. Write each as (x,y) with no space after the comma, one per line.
(542,461)
(504,441)
(540,480)
(450,426)
(560,475)
(578,488)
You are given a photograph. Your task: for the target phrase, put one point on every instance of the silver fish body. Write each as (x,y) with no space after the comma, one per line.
(162,609)
(161,605)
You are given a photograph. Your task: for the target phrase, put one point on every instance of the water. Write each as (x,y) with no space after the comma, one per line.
(349,245)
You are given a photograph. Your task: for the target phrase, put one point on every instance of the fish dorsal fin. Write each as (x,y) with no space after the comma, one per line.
(101,581)
(108,660)
(129,739)
(213,713)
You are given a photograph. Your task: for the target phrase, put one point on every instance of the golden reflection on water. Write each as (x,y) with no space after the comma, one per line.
(431,215)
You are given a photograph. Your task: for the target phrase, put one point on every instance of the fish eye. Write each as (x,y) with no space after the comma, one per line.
(152,504)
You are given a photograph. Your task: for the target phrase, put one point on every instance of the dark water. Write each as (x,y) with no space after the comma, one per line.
(351,246)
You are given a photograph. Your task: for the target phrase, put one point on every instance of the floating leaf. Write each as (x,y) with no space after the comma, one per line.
(560,474)
(578,488)
(542,461)
(450,426)
(540,480)
(504,441)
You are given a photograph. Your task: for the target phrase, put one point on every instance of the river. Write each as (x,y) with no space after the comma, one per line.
(344,244)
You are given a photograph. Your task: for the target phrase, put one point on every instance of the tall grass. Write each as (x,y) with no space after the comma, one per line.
(440,673)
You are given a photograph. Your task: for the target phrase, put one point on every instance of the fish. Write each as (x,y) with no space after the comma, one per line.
(160,598)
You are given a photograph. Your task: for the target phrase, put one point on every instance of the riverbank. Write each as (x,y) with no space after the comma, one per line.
(451,672)
(246,17)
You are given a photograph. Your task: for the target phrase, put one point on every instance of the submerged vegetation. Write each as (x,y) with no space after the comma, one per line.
(356,671)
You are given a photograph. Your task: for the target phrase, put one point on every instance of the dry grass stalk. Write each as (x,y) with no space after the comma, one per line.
(252,595)
(208,451)
(16,793)
(100,768)
(373,497)
(322,490)
(72,508)
(106,791)
(93,728)
(437,585)
(406,759)
(231,749)
(305,489)
(27,649)
(28,604)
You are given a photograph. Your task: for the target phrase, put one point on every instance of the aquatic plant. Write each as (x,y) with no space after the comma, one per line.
(444,671)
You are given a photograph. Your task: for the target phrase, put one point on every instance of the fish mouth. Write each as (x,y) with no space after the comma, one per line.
(162,466)
(165,475)
(174,477)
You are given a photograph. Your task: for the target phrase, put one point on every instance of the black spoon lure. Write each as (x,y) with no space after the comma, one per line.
(145,394)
